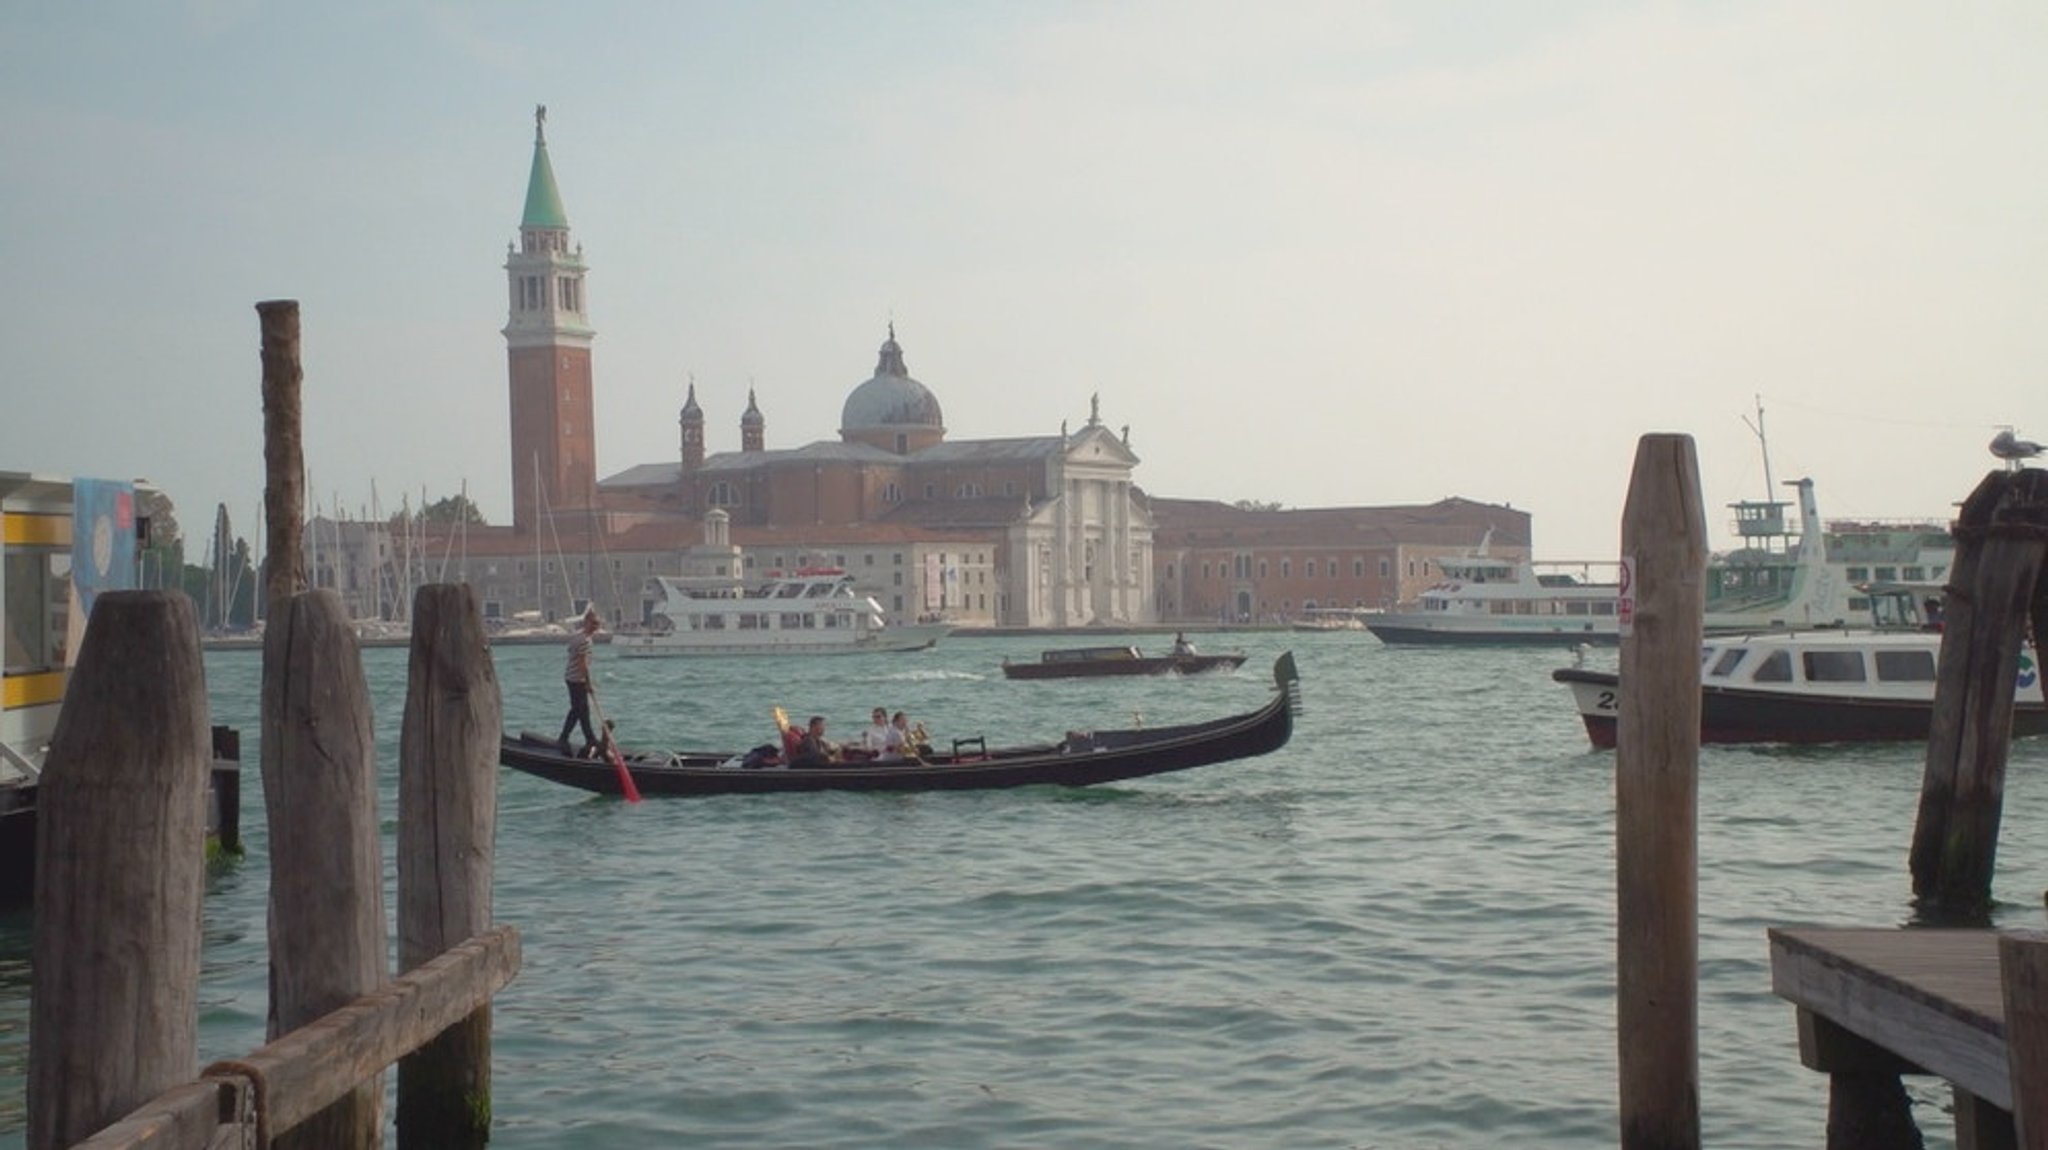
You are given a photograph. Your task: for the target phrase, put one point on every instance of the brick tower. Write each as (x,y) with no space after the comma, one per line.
(547,340)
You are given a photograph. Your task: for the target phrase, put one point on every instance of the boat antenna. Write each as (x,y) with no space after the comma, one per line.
(1763,444)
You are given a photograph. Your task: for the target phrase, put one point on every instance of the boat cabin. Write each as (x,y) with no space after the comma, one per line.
(1090,655)
(1865,664)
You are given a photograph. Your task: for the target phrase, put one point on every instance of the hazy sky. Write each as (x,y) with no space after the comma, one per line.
(1319,253)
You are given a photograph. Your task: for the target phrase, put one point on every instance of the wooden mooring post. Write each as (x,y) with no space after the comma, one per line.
(447,820)
(1656,794)
(120,868)
(1994,587)
(327,940)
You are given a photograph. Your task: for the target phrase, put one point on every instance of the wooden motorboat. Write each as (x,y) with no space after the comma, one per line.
(1082,758)
(1086,662)
(1809,687)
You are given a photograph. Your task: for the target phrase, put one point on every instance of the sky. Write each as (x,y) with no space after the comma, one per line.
(1320,254)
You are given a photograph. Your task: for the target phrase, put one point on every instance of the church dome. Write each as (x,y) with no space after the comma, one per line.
(891,399)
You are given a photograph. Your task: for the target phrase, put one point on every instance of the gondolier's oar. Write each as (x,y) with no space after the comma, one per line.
(611,747)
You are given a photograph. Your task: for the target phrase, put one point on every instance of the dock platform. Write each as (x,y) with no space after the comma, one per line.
(1903,1001)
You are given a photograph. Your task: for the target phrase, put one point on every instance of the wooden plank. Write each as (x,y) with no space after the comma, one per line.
(119,871)
(2023,978)
(327,930)
(196,1114)
(447,822)
(1929,996)
(1663,540)
(325,1060)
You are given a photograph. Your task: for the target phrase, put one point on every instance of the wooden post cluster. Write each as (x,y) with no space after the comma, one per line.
(121,864)
(448,810)
(1656,792)
(120,868)
(2001,542)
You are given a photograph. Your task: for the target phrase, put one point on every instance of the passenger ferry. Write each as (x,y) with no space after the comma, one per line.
(1776,581)
(810,611)
(1484,600)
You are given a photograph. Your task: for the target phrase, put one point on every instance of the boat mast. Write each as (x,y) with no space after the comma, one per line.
(1763,444)
(540,590)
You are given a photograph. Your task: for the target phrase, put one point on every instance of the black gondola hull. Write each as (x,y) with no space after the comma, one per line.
(1099,757)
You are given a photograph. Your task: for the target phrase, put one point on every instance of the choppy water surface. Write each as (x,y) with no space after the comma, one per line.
(1396,932)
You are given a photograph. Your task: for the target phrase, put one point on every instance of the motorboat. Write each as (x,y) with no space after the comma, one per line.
(1812,686)
(809,611)
(1088,662)
(1079,758)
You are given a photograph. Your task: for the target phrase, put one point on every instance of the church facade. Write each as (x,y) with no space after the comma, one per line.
(1064,523)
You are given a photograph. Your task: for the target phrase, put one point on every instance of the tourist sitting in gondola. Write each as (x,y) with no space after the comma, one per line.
(815,750)
(879,740)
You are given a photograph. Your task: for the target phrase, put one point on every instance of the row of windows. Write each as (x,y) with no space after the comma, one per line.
(724,494)
(1893,574)
(533,294)
(1907,666)
(1241,568)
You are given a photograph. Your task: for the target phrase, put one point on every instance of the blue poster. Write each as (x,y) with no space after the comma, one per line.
(102,538)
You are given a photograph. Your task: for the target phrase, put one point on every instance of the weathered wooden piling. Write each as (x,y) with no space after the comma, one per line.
(327,935)
(2023,986)
(1656,792)
(447,818)
(2001,542)
(284,457)
(119,873)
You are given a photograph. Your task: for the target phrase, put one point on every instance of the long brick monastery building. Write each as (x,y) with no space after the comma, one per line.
(1046,530)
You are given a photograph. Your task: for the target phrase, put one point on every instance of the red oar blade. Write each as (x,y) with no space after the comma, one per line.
(625,776)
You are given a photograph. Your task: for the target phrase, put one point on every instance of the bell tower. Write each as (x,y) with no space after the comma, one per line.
(547,340)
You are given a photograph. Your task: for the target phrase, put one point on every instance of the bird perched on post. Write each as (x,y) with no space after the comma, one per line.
(2005,446)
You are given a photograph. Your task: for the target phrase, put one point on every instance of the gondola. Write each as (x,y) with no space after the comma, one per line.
(1089,662)
(1080,759)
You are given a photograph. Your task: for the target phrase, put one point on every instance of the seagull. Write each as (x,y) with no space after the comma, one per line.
(2012,450)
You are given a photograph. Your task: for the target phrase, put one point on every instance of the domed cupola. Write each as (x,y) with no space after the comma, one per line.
(892,411)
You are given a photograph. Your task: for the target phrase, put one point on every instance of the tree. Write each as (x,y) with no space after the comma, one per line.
(162,557)
(453,509)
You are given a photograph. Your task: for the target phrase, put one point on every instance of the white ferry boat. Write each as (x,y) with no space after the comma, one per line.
(811,611)
(1492,600)
(1777,581)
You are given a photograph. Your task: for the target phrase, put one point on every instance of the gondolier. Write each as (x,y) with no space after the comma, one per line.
(576,676)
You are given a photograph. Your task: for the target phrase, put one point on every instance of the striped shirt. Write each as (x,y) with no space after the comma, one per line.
(578,670)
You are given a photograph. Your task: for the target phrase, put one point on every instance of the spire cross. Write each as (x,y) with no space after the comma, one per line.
(540,120)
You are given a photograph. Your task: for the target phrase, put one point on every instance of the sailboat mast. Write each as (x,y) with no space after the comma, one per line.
(540,588)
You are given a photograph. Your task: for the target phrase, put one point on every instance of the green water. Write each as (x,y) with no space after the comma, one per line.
(1396,932)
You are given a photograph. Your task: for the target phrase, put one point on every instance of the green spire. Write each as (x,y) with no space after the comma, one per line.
(543,199)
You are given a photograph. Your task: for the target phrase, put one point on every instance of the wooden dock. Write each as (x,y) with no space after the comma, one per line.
(1929,998)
